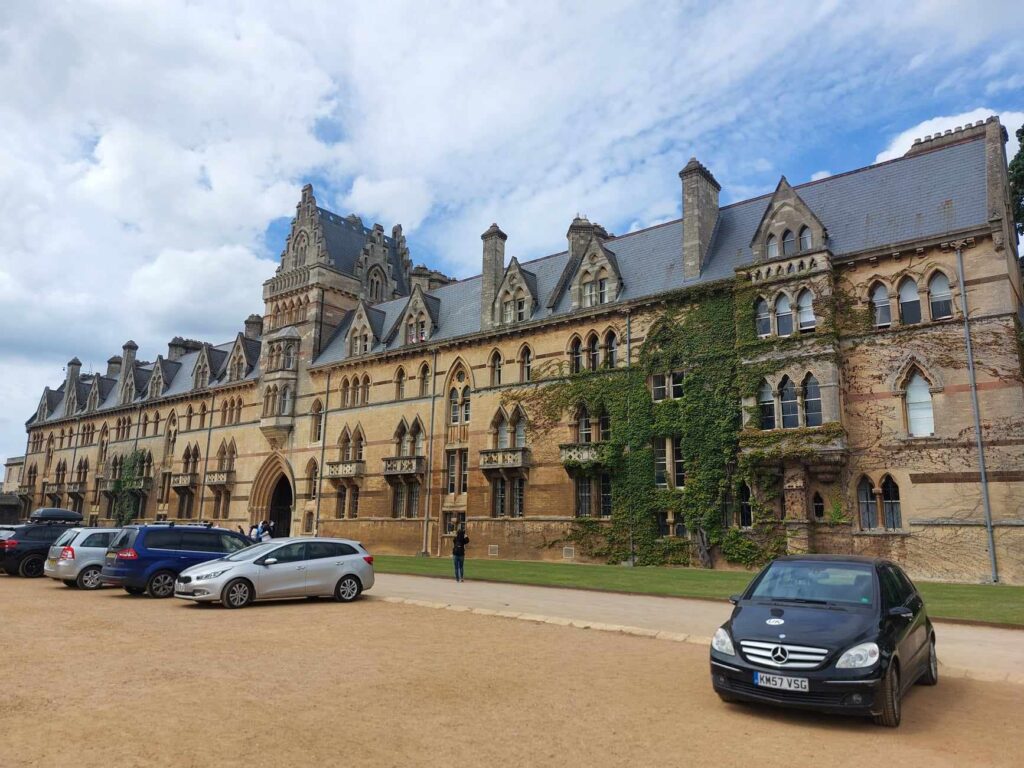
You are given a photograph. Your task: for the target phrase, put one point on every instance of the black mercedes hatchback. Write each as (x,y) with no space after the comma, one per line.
(830,633)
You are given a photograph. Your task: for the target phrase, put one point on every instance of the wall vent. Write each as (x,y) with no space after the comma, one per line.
(568,553)
(492,550)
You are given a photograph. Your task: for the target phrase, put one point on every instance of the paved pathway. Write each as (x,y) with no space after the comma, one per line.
(982,653)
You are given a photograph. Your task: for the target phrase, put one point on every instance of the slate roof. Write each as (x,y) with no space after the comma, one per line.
(345,236)
(920,196)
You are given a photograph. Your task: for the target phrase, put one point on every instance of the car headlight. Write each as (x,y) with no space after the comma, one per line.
(858,657)
(722,643)
(212,574)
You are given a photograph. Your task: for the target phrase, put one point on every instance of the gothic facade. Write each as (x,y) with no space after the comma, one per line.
(369,399)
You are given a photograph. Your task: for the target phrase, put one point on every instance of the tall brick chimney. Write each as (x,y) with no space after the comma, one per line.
(492,271)
(700,214)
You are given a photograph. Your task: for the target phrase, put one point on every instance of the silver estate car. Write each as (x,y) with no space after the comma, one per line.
(281,568)
(76,558)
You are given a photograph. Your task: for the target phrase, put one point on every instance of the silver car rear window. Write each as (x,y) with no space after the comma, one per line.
(66,538)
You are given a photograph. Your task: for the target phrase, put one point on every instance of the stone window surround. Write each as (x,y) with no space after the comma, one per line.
(923,281)
(793,295)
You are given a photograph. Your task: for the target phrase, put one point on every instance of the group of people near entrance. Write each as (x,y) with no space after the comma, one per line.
(262,531)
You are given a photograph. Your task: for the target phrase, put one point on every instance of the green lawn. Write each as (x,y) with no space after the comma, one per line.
(971,602)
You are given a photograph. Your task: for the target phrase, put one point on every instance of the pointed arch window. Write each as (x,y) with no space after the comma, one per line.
(891,504)
(766,405)
(611,349)
(576,356)
(812,402)
(453,406)
(867,504)
(920,418)
(358,444)
(806,320)
(424,380)
(501,436)
(880,306)
(746,507)
(400,385)
(818,506)
(762,318)
(788,243)
(910,302)
(526,365)
(520,429)
(316,424)
(584,434)
(772,247)
(593,354)
(366,390)
(313,474)
(806,241)
(790,404)
(465,405)
(345,394)
(495,368)
(940,298)
(783,316)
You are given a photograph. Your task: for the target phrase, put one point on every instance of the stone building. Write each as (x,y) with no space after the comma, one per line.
(370,397)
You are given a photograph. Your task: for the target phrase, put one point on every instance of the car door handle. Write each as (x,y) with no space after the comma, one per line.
(300,568)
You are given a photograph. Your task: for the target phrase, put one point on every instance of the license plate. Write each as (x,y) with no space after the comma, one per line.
(111,558)
(51,562)
(781,683)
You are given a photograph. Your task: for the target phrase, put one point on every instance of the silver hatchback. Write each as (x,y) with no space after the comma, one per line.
(76,558)
(281,568)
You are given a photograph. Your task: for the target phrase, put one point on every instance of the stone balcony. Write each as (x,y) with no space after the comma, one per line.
(504,458)
(822,450)
(276,429)
(339,470)
(54,488)
(182,481)
(76,488)
(220,478)
(26,490)
(139,484)
(404,465)
(581,453)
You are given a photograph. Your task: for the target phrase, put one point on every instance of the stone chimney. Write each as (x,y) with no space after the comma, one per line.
(128,354)
(253,326)
(74,368)
(700,214)
(114,367)
(492,272)
(579,235)
(178,347)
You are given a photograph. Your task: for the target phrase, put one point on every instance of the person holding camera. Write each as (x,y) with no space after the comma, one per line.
(459,552)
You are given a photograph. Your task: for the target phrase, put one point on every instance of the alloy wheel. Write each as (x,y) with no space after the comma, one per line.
(161,585)
(238,594)
(91,578)
(348,589)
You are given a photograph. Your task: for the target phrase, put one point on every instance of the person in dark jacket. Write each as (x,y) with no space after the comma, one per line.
(459,552)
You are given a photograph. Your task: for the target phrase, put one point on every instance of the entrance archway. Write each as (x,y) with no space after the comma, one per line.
(281,507)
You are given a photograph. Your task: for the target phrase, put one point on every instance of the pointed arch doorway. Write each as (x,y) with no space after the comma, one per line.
(281,507)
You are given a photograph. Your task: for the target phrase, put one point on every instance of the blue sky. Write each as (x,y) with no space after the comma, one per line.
(150,160)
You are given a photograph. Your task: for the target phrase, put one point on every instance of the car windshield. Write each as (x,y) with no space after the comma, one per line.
(251,553)
(816,582)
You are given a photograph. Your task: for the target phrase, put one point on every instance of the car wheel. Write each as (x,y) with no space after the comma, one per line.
(31,567)
(889,693)
(89,578)
(348,589)
(931,672)
(70,582)
(237,594)
(161,584)
(727,699)
(134,591)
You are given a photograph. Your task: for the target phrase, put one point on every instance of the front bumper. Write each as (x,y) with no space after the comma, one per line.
(838,692)
(206,591)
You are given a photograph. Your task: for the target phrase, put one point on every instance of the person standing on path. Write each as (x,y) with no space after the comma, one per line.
(459,552)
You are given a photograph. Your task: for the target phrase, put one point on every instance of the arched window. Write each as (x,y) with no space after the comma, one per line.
(766,405)
(576,356)
(366,390)
(501,432)
(465,405)
(224,413)
(519,418)
(789,403)
(940,298)
(400,385)
(289,356)
(584,434)
(812,402)
(762,318)
(285,407)
(891,504)
(526,364)
(593,353)
(771,247)
(418,439)
(880,306)
(345,445)
(805,239)
(805,311)
(611,349)
(453,406)
(783,316)
(358,443)
(910,303)
(316,421)
(788,243)
(495,368)
(920,420)
(818,506)
(424,380)
(202,416)
(188,418)
(746,507)
(346,394)
(867,505)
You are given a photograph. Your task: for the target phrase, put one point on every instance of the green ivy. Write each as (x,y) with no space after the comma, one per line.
(124,499)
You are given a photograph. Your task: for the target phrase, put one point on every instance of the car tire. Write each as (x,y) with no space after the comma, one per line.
(135,591)
(890,694)
(70,583)
(930,676)
(89,578)
(31,567)
(238,593)
(727,699)
(160,585)
(347,589)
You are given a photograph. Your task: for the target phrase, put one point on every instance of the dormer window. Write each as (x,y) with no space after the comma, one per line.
(772,247)
(806,241)
(788,243)
(520,310)
(602,291)
(590,293)
(508,310)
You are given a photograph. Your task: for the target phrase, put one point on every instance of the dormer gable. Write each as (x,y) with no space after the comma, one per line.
(237,365)
(305,243)
(591,278)
(363,332)
(156,380)
(92,401)
(788,227)
(126,390)
(43,409)
(516,298)
(202,368)
(418,321)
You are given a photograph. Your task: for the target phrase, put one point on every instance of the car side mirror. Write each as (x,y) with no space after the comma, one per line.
(901,612)
(735,599)
(268,561)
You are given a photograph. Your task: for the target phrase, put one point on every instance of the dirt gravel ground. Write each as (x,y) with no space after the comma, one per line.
(103,678)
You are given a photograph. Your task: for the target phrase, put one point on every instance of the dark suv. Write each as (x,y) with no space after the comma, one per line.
(148,558)
(846,635)
(23,553)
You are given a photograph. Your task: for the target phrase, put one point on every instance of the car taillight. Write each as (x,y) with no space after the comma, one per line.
(369,559)
(68,553)
(8,544)
(127,554)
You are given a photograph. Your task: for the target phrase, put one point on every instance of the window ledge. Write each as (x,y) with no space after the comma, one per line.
(882,533)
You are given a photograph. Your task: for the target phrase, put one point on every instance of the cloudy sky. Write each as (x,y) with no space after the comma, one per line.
(151,155)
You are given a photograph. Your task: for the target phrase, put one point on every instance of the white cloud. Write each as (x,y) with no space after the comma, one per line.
(820,175)
(899,145)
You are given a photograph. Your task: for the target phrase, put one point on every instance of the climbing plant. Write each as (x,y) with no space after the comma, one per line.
(124,499)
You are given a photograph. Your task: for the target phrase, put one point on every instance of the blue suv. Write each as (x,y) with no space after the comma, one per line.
(148,558)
